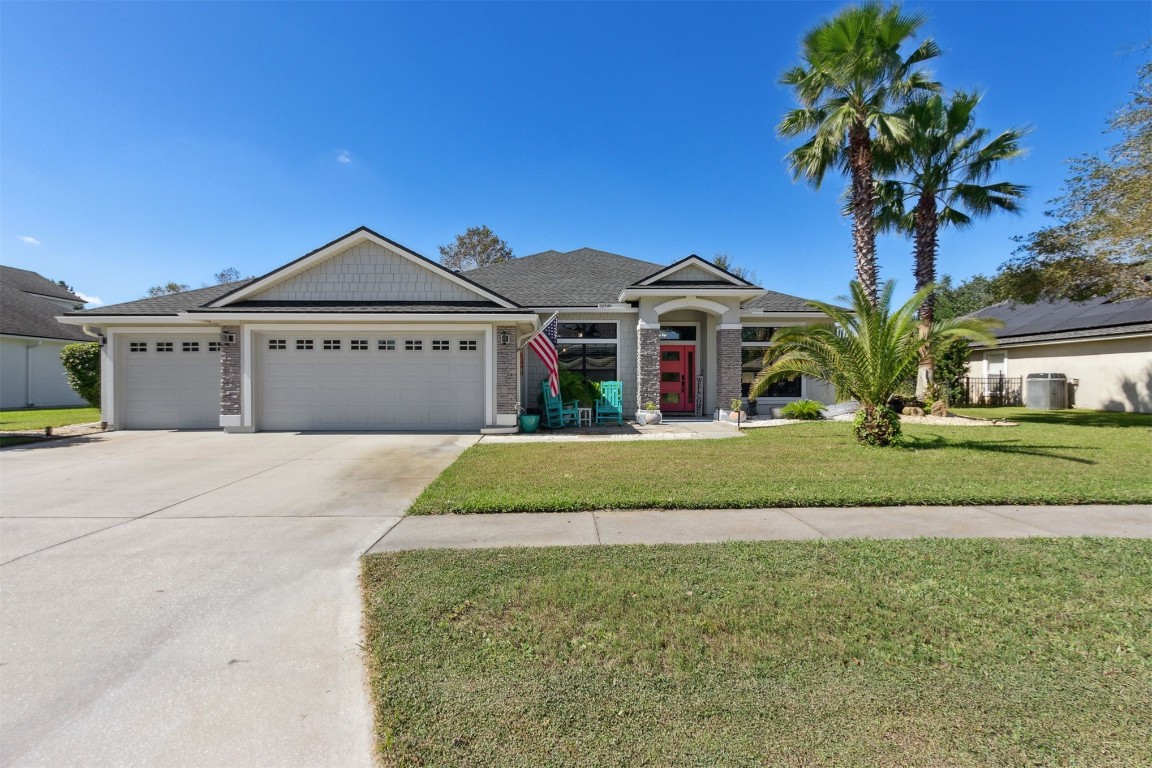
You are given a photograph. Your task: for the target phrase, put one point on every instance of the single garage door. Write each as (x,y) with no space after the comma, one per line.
(170,382)
(377,381)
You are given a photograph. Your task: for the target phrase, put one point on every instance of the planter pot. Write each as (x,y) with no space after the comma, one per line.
(648,417)
(777,413)
(736,417)
(529,423)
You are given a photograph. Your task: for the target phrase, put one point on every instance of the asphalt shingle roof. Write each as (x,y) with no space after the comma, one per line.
(773,301)
(170,304)
(22,314)
(581,278)
(352,307)
(31,282)
(1066,316)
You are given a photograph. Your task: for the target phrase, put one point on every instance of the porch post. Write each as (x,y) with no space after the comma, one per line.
(728,364)
(647,365)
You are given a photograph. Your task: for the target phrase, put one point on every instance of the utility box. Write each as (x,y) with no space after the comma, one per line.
(1046,391)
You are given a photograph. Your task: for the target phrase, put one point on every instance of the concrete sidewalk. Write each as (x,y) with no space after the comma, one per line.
(708,525)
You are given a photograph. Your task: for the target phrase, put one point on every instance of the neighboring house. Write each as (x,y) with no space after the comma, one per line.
(31,339)
(363,333)
(1104,347)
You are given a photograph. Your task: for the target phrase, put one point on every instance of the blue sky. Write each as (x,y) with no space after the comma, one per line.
(148,142)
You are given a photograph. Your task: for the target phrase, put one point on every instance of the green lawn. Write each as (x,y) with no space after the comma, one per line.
(844,653)
(1064,457)
(38,418)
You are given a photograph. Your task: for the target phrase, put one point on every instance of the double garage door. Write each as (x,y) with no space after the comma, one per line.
(369,381)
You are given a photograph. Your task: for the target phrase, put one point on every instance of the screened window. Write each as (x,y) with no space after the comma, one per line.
(280,344)
(586,330)
(595,361)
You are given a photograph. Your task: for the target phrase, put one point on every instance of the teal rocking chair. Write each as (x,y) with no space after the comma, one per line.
(558,413)
(608,405)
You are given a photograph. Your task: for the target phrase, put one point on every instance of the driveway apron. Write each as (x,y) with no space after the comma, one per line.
(191,598)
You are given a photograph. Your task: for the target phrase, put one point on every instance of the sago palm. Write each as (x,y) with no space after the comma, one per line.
(939,178)
(866,353)
(852,81)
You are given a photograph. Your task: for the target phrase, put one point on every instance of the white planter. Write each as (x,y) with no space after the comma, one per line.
(648,417)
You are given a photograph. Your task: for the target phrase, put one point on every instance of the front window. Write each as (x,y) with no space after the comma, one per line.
(597,362)
(591,331)
(756,342)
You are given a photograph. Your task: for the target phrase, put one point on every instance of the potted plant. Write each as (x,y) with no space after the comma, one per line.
(649,414)
(737,412)
(529,422)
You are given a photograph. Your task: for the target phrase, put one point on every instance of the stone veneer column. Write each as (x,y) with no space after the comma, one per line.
(647,366)
(507,363)
(728,366)
(230,374)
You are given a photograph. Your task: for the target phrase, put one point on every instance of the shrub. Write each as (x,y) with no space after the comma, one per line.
(879,426)
(574,386)
(82,368)
(807,410)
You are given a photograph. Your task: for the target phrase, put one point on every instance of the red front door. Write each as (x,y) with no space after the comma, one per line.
(677,378)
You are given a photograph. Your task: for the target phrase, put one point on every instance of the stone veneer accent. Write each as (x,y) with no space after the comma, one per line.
(507,360)
(230,373)
(727,366)
(647,366)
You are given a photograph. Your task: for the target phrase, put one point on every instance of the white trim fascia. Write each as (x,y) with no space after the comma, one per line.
(346,328)
(163,330)
(1048,342)
(691,302)
(247,385)
(291,269)
(629,294)
(761,316)
(730,327)
(108,377)
(693,261)
(329,317)
(586,310)
(106,320)
(489,374)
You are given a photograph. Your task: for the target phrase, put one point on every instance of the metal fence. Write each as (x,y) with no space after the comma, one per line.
(992,390)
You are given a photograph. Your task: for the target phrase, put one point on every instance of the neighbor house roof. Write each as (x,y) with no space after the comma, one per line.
(1052,321)
(31,282)
(24,313)
(585,277)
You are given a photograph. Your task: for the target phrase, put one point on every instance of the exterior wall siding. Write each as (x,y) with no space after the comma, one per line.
(31,374)
(689,274)
(230,373)
(507,394)
(367,272)
(1113,374)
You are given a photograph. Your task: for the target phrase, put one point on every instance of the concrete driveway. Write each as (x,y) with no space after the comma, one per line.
(191,598)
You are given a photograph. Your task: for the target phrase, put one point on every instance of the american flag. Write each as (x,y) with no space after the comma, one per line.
(544,345)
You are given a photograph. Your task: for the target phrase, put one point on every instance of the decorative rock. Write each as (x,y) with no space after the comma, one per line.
(912,411)
(939,408)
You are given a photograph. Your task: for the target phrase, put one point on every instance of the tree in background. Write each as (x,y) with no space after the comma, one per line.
(477,247)
(227,275)
(1102,243)
(852,82)
(725,262)
(975,293)
(866,353)
(938,178)
(82,369)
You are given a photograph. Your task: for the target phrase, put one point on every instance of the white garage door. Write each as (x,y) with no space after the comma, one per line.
(370,381)
(170,382)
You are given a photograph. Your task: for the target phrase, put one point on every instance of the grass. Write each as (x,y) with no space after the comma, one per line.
(844,653)
(1066,457)
(38,418)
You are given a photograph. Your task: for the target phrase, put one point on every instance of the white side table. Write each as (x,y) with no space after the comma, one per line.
(585,417)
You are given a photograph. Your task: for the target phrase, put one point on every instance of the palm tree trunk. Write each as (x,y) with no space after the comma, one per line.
(863,209)
(926,223)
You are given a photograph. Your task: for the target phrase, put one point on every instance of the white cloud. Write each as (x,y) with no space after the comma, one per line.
(343,156)
(96,300)
(28,240)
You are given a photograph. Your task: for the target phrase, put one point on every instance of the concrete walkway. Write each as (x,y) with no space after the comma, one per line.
(710,525)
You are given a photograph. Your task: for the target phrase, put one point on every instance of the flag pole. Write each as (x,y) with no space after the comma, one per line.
(538,331)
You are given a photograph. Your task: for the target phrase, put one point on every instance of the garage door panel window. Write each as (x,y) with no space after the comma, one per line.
(386,345)
(138,346)
(413,345)
(190,346)
(164,346)
(441,345)
(358,345)
(468,345)
(277,344)
(213,346)
(332,345)
(304,344)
